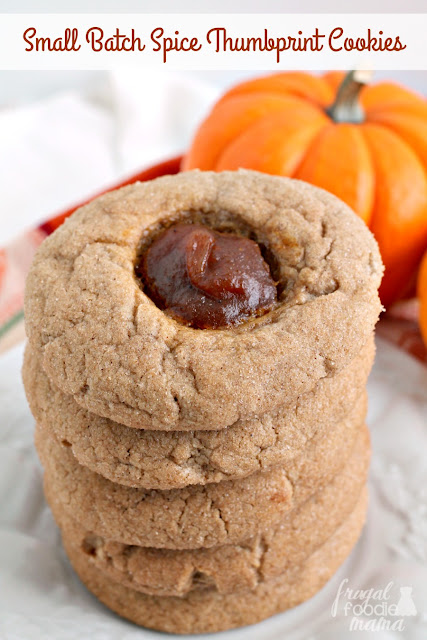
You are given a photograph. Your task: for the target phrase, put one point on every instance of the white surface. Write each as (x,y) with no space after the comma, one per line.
(42,599)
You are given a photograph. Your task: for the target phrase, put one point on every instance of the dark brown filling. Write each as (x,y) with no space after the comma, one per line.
(206,279)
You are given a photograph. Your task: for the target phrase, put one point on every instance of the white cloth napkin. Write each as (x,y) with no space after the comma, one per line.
(59,151)
(62,150)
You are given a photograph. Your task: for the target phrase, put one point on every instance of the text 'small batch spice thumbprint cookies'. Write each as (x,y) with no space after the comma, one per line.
(199,347)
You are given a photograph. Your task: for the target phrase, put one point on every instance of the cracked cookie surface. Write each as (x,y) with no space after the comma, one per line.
(229,568)
(104,342)
(195,516)
(208,611)
(174,459)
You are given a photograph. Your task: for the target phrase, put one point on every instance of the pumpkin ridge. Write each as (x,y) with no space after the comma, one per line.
(409,109)
(308,150)
(207,134)
(318,91)
(399,219)
(410,129)
(255,129)
(384,94)
(323,167)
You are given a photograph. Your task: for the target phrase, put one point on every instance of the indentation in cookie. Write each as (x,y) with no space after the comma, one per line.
(201,580)
(92,544)
(206,279)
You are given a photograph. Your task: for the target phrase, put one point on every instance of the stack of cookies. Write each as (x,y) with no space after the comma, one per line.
(200,405)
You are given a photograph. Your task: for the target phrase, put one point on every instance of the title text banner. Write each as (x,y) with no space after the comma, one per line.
(213,41)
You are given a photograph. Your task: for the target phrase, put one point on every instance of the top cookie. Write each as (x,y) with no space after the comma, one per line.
(107,344)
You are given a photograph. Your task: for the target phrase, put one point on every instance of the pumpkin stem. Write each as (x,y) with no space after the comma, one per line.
(346,106)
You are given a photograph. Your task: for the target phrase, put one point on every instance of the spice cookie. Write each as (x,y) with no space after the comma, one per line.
(106,343)
(230,568)
(195,516)
(168,460)
(206,610)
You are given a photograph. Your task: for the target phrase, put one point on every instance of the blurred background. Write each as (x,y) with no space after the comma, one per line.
(66,134)
(21,87)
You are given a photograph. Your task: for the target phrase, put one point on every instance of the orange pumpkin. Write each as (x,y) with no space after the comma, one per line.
(422,295)
(365,144)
